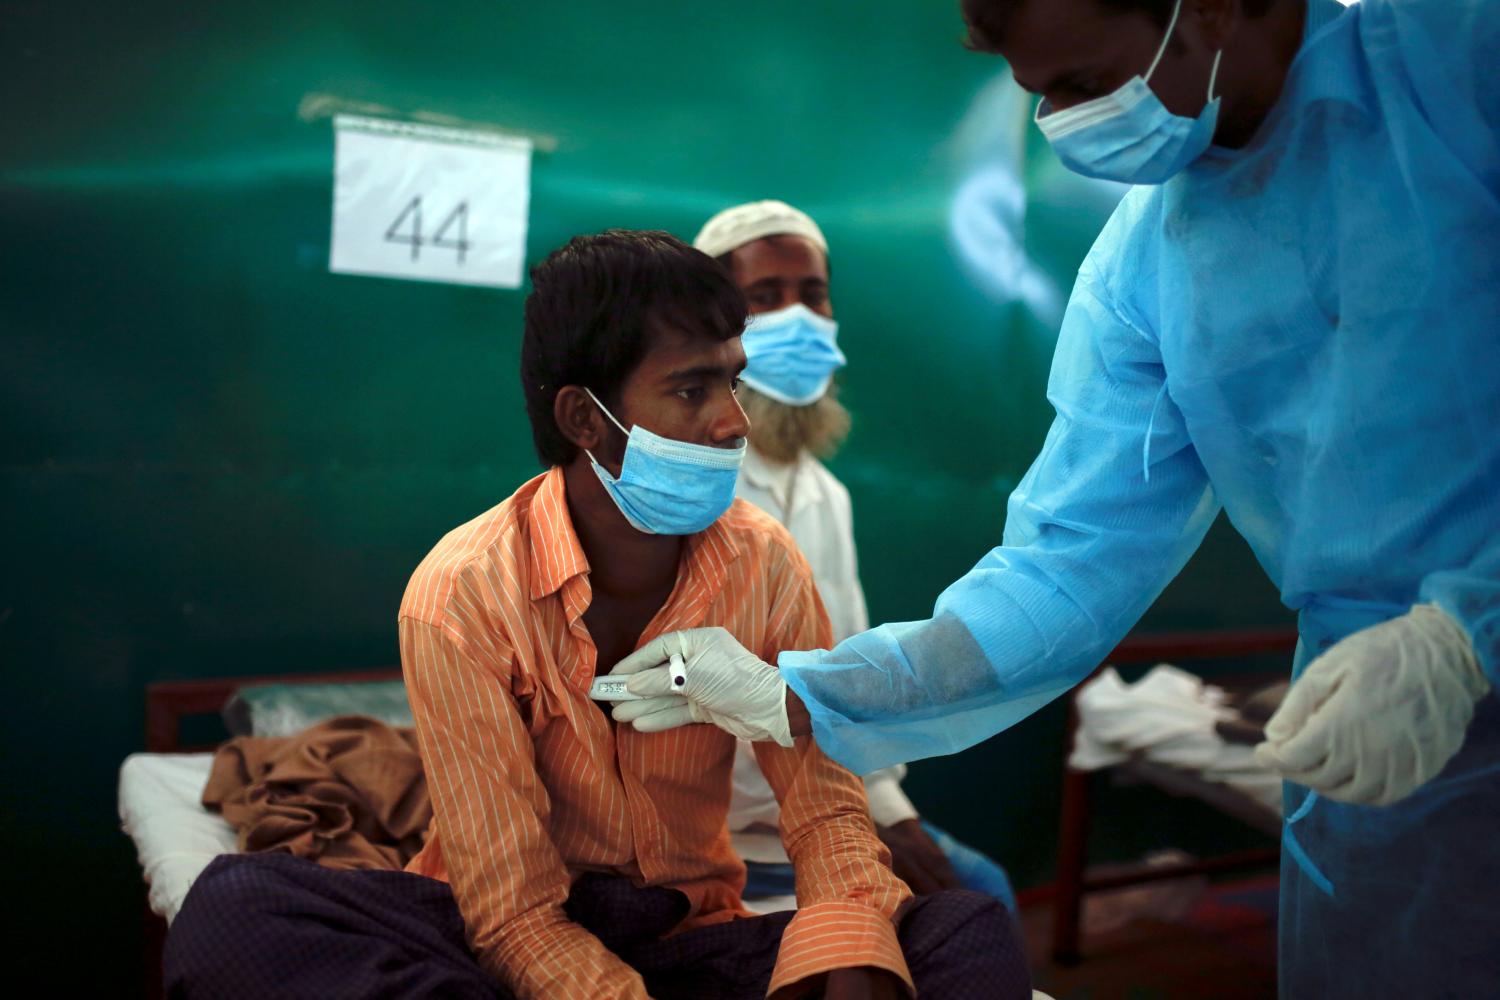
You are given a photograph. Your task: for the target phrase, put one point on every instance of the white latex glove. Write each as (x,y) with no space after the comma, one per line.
(1379,714)
(727,685)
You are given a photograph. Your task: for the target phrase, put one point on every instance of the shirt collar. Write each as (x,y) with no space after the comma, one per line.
(555,553)
(556,556)
(710,552)
(701,576)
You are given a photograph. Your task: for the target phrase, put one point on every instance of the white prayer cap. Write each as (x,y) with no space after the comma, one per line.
(734,227)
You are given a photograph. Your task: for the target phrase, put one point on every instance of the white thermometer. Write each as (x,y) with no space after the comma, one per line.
(611,689)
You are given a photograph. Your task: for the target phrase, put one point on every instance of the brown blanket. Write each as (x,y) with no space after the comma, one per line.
(347,793)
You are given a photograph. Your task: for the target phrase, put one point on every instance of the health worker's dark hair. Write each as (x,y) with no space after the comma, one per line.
(988,19)
(593,308)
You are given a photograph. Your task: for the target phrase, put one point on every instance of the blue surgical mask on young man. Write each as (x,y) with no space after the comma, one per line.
(791,354)
(668,487)
(1129,135)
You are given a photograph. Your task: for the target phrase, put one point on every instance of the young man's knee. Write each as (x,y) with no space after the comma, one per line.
(232,906)
(225,887)
(215,937)
(240,884)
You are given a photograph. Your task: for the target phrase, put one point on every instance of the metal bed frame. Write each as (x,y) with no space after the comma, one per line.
(1073,880)
(168,703)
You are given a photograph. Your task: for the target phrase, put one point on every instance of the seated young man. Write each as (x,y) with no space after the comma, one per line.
(570,857)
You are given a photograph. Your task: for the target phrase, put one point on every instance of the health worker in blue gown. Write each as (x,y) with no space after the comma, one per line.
(1295,316)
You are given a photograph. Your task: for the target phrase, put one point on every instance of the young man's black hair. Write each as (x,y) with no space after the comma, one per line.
(593,307)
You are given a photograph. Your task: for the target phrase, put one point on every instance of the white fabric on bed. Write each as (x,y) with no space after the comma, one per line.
(1168,718)
(175,837)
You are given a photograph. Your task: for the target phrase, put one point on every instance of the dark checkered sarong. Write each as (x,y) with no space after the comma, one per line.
(271,925)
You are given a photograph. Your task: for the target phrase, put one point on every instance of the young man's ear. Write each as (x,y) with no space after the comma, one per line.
(578,418)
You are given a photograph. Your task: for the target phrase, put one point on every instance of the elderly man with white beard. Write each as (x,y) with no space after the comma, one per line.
(779,258)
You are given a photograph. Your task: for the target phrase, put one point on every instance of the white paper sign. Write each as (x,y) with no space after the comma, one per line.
(429,203)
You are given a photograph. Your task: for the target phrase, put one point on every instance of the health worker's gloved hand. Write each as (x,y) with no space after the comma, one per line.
(1379,714)
(727,685)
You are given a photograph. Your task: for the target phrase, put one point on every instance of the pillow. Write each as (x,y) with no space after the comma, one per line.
(287,709)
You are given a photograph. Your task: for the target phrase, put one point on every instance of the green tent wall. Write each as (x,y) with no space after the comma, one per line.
(219,458)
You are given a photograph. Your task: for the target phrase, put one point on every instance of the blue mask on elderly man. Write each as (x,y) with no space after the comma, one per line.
(1129,135)
(669,487)
(791,354)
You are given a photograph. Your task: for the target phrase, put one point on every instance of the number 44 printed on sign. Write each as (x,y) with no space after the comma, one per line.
(411,219)
(429,203)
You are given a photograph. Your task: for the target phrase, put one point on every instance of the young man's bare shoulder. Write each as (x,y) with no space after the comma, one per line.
(492,544)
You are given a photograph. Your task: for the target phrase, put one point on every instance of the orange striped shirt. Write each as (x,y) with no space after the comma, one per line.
(532,784)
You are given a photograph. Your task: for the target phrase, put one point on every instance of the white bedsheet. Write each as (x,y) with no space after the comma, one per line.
(1167,717)
(175,837)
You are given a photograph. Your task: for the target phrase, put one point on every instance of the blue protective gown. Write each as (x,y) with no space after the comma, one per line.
(1306,331)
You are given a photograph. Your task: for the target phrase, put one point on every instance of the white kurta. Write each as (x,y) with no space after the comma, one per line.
(815,508)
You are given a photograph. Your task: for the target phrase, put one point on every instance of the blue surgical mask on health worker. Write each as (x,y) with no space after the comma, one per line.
(669,487)
(1129,135)
(791,354)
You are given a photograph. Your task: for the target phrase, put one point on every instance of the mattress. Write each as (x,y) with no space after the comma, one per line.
(175,837)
